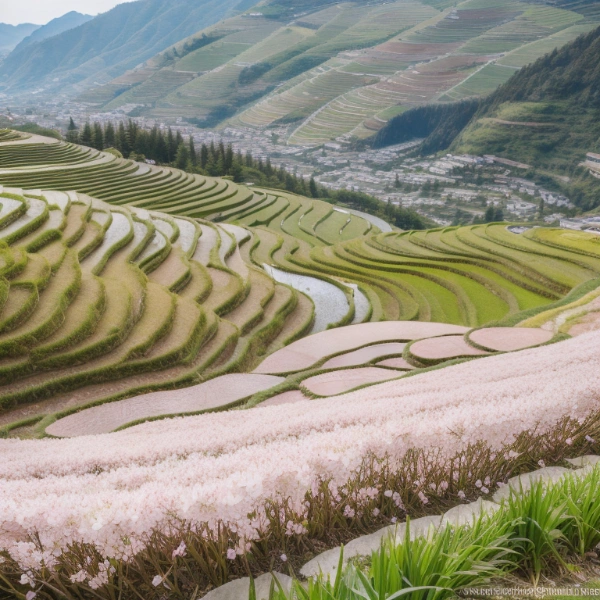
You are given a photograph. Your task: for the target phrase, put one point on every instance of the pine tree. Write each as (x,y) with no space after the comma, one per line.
(228,158)
(192,151)
(123,145)
(211,166)
(162,151)
(86,138)
(98,137)
(182,157)
(132,134)
(171,146)
(397,181)
(237,172)
(109,136)
(204,156)
(72,132)
(312,186)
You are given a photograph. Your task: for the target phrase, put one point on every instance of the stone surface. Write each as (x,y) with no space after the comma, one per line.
(509,339)
(240,588)
(338,382)
(306,352)
(418,527)
(364,545)
(444,348)
(525,481)
(589,460)
(363,355)
(215,393)
(465,514)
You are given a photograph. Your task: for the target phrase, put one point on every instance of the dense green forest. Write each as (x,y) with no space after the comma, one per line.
(437,124)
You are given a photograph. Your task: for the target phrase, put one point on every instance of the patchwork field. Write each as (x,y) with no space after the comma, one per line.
(342,71)
(131,293)
(128,278)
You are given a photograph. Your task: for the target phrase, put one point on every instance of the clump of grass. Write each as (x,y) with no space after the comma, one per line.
(531,534)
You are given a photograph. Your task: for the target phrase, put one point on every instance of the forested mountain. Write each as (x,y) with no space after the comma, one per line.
(11,35)
(109,44)
(546,116)
(68,21)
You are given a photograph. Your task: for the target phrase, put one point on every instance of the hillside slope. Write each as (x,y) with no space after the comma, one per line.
(338,72)
(545,116)
(109,44)
(129,284)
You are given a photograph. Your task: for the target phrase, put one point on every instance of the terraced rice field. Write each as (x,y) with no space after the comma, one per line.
(343,71)
(120,279)
(474,47)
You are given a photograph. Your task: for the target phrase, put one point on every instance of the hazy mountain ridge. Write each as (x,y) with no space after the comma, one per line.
(67,21)
(108,44)
(11,35)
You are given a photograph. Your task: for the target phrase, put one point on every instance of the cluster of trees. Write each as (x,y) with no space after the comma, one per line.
(438,124)
(220,160)
(493,214)
(392,213)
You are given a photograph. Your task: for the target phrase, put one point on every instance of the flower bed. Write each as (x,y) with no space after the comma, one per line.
(218,472)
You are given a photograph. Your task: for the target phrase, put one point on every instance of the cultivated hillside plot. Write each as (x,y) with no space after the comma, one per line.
(343,71)
(135,282)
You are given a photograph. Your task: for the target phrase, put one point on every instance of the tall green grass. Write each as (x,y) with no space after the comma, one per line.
(535,531)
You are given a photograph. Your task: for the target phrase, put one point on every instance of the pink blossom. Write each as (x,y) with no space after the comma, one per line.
(180,550)
(231,554)
(111,491)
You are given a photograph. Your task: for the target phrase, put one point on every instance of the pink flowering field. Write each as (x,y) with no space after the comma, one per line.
(112,490)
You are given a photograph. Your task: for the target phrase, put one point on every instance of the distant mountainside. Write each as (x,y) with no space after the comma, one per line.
(68,21)
(11,35)
(545,116)
(107,45)
(341,71)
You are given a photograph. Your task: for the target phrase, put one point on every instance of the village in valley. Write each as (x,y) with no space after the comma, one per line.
(449,189)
